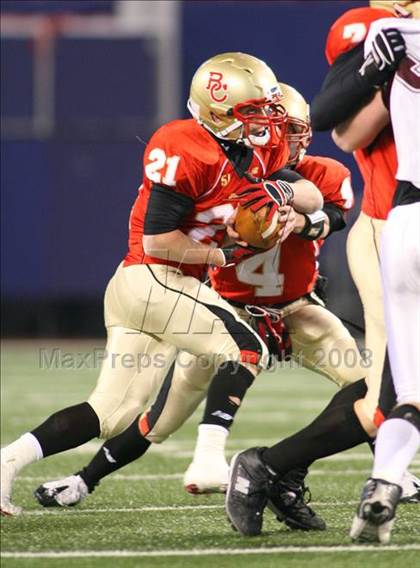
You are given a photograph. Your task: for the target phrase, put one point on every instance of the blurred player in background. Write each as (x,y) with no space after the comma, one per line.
(156,303)
(398,438)
(274,291)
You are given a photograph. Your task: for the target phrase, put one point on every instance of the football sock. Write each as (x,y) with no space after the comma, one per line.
(337,428)
(396,445)
(211,441)
(114,454)
(225,394)
(23,451)
(67,429)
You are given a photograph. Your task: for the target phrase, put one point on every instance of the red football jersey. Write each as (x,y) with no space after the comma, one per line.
(288,271)
(184,157)
(378,162)
(378,166)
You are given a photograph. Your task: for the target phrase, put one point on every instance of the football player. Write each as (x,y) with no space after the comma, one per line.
(377,161)
(398,438)
(378,165)
(156,304)
(272,301)
(345,422)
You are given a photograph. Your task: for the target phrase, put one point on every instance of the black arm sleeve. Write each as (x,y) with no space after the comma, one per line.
(286,174)
(166,209)
(335,216)
(343,92)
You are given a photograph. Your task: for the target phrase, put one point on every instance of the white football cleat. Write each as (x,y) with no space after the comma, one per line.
(65,492)
(375,515)
(8,474)
(410,488)
(209,475)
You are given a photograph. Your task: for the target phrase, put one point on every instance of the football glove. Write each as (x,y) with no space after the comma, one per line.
(234,254)
(273,194)
(388,48)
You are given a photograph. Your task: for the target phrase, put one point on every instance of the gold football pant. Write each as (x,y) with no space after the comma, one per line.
(363,245)
(151,312)
(320,342)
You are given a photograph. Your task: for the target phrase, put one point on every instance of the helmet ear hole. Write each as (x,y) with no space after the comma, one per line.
(215,118)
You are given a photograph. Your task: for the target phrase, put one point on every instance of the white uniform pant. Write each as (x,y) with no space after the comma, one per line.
(400,266)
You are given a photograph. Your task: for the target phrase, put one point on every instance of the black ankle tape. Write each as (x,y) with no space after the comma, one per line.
(407,412)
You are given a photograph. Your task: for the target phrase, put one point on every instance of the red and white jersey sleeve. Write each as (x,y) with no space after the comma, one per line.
(287,272)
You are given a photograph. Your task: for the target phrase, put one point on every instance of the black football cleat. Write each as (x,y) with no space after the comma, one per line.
(287,501)
(247,493)
(376,512)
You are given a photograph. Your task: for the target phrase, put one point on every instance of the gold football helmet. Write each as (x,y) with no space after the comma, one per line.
(402,8)
(236,97)
(299,132)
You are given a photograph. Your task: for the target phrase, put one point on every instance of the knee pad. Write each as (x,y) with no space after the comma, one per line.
(407,412)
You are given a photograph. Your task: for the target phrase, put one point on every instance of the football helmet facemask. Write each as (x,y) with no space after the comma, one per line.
(299,132)
(236,97)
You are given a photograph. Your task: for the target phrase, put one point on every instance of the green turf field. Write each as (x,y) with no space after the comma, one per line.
(141,516)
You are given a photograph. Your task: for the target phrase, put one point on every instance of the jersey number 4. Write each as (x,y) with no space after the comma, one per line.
(262,272)
(162,168)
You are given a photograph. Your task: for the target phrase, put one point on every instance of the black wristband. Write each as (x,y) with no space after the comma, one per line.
(314,226)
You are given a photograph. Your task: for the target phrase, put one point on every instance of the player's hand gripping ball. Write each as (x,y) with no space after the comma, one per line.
(259,220)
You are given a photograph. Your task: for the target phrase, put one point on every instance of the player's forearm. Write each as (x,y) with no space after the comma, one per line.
(178,247)
(343,92)
(360,130)
(307,197)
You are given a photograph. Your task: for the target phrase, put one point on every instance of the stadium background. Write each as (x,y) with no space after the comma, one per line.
(83,84)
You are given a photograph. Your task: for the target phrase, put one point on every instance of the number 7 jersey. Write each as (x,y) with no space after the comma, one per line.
(288,271)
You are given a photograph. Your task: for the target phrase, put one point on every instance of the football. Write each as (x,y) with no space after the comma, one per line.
(255,229)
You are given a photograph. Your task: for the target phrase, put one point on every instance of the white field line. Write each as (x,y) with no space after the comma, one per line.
(158,508)
(171,476)
(209,551)
(179,450)
(144,509)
